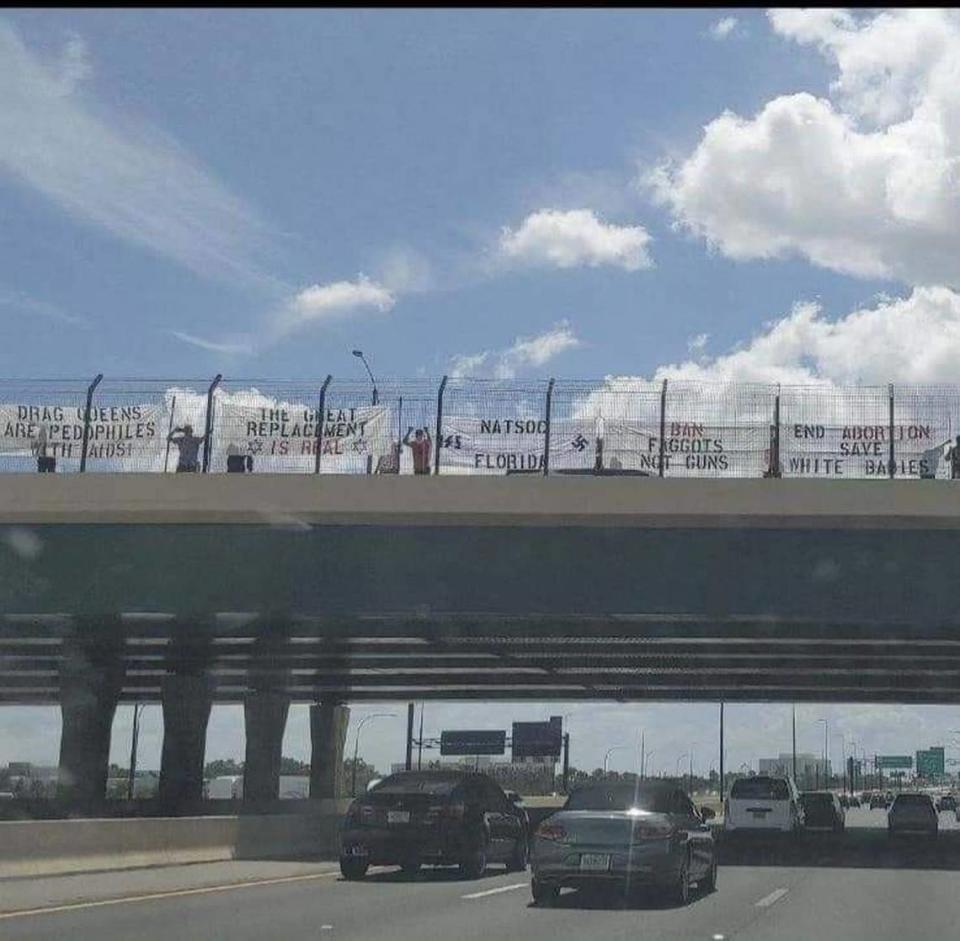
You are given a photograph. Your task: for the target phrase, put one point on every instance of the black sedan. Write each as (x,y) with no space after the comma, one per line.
(437,818)
(822,811)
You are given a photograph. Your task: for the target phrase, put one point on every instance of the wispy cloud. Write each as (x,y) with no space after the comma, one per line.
(31,306)
(227,348)
(525,352)
(129,179)
(575,238)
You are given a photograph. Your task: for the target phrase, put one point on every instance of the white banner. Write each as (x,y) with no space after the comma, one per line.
(499,445)
(116,431)
(291,431)
(863,450)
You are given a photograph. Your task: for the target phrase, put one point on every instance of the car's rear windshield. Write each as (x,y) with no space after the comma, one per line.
(771,789)
(619,797)
(418,784)
(912,800)
(814,800)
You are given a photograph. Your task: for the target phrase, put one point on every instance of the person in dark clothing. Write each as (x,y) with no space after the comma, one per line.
(188,444)
(420,447)
(955,460)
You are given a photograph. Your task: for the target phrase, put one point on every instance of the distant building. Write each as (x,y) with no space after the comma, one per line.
(810,768)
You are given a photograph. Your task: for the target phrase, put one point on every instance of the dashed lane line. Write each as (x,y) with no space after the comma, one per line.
(497,891)
(773,897)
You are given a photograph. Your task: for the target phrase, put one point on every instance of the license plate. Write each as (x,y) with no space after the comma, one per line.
(758,814)
(398,816)
(594,862)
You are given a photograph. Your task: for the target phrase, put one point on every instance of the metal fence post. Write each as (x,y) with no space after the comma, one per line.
(893,469)
(436,457)
(775,469)
(375,403)
(86,421)
(546,438)
(208,429)
(321,408)
(663,423)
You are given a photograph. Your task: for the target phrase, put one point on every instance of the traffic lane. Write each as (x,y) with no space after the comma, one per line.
(391,907)
(861,905)
(864,845)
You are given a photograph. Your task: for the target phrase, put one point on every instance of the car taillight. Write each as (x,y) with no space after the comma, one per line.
(653,831)
(552,831)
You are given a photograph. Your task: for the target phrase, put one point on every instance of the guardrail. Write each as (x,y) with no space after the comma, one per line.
(615,426)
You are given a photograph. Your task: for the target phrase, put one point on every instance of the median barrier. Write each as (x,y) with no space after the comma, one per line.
(52,847)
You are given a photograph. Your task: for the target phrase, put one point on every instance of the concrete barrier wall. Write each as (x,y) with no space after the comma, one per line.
(49,847)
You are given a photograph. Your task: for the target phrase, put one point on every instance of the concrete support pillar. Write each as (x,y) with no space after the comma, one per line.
(186,711)
(91,676)
(265,717)
(328,732)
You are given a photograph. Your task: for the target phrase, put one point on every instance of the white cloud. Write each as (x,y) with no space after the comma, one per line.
(866,182)
(525,352)
(321,303)
(914,339)
(723,27)
(575,238)
(128,179)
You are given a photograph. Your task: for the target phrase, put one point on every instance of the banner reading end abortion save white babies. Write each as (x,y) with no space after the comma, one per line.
(125,431)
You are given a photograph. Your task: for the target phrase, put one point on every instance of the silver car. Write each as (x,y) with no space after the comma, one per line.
(624,834)
(913,813)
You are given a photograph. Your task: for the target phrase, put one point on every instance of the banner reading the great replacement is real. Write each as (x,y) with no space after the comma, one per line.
(291,431)
(125,431)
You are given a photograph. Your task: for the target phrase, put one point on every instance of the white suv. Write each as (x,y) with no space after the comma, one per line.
(763,802)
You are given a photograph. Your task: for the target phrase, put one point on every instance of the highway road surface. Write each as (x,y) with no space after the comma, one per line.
(848,888)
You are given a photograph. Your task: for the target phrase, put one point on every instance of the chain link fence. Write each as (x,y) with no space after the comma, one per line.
(618,426)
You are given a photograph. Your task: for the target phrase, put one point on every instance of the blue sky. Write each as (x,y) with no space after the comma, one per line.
(707,193)
(330,144)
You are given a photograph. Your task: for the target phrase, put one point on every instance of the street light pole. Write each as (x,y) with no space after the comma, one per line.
(794,743)
(610,751)
(137,708)
(823,759)
(376,397)
(676,770)
(356,745)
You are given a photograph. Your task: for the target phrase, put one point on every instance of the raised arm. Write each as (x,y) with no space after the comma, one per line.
(406,437)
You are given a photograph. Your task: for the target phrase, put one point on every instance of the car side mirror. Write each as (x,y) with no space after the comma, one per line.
(707,813)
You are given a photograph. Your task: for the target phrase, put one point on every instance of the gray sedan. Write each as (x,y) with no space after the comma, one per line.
(912,813)
(624,834)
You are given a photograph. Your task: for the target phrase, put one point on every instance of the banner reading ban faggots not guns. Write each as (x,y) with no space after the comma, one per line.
(290,431)
(125,431)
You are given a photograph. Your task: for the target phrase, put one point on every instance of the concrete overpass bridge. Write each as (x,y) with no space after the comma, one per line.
(270,589)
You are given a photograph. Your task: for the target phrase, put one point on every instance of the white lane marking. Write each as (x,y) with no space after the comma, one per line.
(175,893)
(503,888)
(774,896)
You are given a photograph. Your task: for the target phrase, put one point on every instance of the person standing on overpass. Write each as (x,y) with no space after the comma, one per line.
(955,460)
(420,447)
(188,444)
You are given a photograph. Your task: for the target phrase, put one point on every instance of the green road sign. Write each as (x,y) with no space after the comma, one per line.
(894,761)
(930,762)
